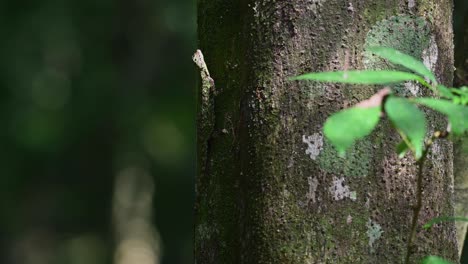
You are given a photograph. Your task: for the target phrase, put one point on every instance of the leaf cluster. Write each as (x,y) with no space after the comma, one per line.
(344,128)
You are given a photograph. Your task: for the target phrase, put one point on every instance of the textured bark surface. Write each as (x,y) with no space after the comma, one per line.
(272,189)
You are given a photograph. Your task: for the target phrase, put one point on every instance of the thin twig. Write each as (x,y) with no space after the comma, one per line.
(417,207)
(419,192)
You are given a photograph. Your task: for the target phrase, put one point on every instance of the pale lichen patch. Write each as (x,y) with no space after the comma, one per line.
(349,219)
(314,145)
(313,183)
(431,54)
(205,232)
(412,87)
(340,191)
(374,232)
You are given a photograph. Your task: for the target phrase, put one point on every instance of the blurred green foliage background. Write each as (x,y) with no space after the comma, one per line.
(97,146)
(89,89)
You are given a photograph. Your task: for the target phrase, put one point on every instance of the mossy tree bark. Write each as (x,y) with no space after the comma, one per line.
(270,187)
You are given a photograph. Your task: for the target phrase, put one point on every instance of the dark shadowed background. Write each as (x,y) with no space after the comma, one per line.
(97,145)
(97,138)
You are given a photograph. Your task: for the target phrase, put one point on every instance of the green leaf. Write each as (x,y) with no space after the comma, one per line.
(457,114)
(444,91)
(462,95)
(347,126)
(396,57)
(361,77)
(409,121)
(435,260)
(437,220)
(460,91)
(401,149)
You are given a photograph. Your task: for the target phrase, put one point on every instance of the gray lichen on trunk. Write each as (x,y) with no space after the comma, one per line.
(262,199)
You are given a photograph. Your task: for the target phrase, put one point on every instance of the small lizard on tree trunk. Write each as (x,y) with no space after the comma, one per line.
(205,111)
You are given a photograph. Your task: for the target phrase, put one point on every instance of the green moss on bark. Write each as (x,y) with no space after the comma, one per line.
(356,163)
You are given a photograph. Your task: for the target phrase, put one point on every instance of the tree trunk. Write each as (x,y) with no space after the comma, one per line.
(270,188)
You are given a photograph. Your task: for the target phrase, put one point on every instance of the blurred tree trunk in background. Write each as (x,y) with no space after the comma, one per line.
(461,145)
(270,187)
(461,188)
